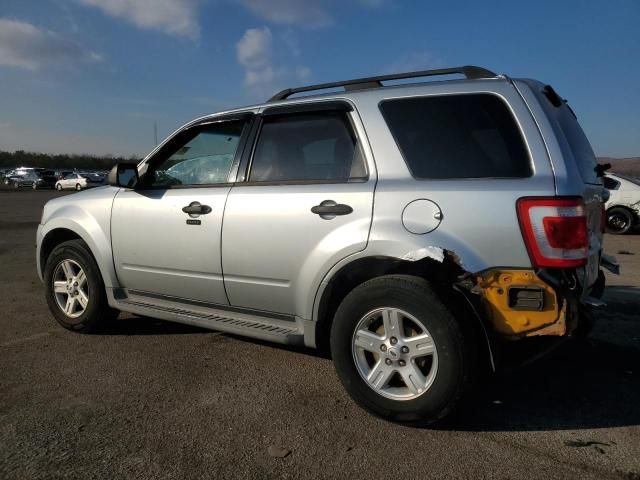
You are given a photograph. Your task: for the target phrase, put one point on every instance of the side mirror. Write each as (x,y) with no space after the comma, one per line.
(124,175)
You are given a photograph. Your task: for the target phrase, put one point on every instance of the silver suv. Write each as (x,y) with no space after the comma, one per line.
(411,230)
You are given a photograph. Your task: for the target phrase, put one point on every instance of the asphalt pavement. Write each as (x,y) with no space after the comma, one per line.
(152,399)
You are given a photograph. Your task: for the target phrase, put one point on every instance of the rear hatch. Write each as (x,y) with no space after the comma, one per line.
(580,165)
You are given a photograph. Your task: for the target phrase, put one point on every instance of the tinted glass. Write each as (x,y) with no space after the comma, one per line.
(610,183)
(458,136)
(580,146)
(307,147)
(203,156)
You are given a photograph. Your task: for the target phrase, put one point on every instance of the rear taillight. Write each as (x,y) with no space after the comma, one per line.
(554,231)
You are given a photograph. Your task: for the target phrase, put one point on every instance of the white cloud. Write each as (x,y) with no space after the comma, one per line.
(262,75)
(308,13)
(413,61)
(254,49)
(25,46)
(303,13)
(175,17)
(303,72)
(373,3)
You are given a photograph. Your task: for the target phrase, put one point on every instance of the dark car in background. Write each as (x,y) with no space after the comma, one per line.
(26,180)
(17,175)
(45,179)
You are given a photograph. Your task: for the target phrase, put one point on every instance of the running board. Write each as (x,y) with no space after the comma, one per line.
(248,325)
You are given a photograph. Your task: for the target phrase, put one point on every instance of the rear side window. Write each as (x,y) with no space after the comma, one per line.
(307,147)
(457,136)
(610,183)
(579,145)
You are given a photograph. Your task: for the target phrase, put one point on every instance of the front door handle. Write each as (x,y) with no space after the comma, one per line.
(328,209)
(195,208)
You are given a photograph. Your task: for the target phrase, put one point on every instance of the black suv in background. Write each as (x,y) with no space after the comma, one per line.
(45,179)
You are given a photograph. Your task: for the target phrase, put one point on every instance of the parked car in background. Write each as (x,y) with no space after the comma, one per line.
(60,174)
(623,206)
(79,181)
(26,180)
(17,175)
(44,179)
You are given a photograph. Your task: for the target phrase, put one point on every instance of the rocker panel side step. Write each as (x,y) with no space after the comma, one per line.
(263,328)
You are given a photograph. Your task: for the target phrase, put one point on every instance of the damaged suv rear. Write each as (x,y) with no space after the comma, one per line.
(412,230)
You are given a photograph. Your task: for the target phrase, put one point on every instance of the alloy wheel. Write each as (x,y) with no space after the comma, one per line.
(70,288)
(394,353)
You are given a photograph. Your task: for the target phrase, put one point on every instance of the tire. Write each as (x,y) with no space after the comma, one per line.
(619,220)
(78,187)
(58,187)
(96,312)
(410,296)
(16,185)
(34,186)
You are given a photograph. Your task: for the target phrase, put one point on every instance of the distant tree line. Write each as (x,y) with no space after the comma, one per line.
(20,158)
(628,170)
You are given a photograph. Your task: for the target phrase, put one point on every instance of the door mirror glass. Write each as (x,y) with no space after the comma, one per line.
(124,175)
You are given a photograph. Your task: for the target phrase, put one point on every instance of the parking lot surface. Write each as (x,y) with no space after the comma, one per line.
(152,399)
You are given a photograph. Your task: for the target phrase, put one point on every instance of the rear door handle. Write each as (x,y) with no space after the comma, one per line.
(329,209)
(196,208)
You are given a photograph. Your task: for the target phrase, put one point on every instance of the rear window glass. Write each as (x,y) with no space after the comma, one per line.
(457,136)
(580,147)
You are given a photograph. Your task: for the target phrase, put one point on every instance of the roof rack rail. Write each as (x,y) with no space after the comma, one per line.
(469,71)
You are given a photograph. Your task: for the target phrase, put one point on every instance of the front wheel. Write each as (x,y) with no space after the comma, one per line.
(78,187)
(619,220)
(74,288)
(58,187)
(399,352)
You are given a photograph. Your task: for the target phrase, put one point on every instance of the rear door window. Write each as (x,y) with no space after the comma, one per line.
(458,136)
(309,147)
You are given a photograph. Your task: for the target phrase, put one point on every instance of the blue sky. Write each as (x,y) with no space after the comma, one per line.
(94,75)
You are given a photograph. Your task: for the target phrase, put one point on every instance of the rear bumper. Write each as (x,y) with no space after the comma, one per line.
(521,303)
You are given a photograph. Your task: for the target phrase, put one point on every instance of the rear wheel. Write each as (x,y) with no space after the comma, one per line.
(398,351)
(619,220)
(34,186)
(78,187)
(74,288)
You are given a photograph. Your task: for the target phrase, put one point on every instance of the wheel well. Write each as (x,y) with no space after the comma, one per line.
(618,206)
(52,240)
(441,275)
(623,207)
